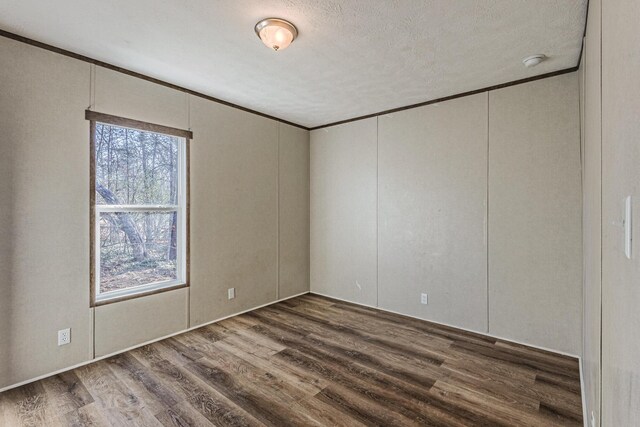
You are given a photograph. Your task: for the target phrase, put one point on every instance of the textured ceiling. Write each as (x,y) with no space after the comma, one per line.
(353,57)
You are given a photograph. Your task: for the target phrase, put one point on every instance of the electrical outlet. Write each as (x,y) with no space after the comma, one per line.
(64,336)
(231,293)
(424,299)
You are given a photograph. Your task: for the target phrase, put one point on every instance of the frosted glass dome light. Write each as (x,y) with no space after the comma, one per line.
(276,34)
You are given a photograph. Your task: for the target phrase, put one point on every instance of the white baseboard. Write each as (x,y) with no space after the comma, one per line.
(452,326)
(583,396)
(95,359)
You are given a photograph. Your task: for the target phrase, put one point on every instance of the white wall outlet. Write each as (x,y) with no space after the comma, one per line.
(231,293)
(64,336)
(424,299)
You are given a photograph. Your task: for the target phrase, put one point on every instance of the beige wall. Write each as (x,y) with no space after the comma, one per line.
(44,219)
(611,173)
(125,96)
(535,241)
(620,178)
(249,203)
(343,211)
(293,210)
(234,169)
(249,210)
(592,205)
(431,179)
(432,212)
(127,323)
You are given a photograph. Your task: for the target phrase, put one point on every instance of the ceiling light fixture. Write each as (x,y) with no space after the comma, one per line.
(275,33)
(533,60)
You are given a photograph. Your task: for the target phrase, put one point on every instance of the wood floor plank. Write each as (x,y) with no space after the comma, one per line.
(429,328)
(350,355)
(327,327)
(25,405)
(496,355)
(65,393)
(487,370)
(363,410)
(302,380)
(277,386)
(116,401)
(143,383)
(215,331)
(248,335)
(324,414)
(316,299)
(198,341)
(255,400)
(572,384)
(237,323)
(524,392)
(182,415)
(162,351)
(463,399)
(560,416)
(214,406)
(559,399)
(378,327)
(311,361)
(549,355)
(370,385)
(87,416)
(180,353)
(492,390)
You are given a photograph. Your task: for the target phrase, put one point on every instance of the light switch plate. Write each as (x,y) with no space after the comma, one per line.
(231,293)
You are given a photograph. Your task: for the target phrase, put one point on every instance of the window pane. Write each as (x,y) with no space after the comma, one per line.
(134,167)
(137,248)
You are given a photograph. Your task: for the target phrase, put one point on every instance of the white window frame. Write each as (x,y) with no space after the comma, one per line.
(181,210)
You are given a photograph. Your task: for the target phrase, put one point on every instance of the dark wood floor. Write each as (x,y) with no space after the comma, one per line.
(310,361)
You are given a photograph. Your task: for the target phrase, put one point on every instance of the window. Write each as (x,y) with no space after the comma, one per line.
(139,208)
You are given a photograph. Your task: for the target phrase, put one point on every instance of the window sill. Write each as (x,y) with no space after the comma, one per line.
(153,291)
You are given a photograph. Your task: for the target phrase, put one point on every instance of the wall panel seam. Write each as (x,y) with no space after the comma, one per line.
(278,213)
(377,211)
(601,379)
(487,208)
